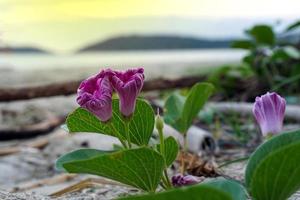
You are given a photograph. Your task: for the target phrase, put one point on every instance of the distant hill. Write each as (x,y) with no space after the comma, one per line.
(155,43)
(22,50)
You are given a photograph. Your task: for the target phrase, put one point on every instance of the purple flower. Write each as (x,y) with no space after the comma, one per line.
(180,180)
(269,112)
(128,85)
(95,95)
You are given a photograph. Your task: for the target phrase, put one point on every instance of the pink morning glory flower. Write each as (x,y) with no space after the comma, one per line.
(95,95)
(128,85)
(181,180)
(269,112)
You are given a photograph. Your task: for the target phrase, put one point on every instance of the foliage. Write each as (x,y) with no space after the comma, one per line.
(272,57)
(219,189)
(128,166)
(273,170)
(140,127)
(180,111)
(144,165)
(170,151)
(77,155)
(233,188)
(141,167)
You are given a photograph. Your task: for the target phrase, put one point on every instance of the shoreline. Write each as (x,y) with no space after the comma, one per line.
(15,78)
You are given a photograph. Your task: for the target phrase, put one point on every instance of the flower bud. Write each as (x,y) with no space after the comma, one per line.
(159,122)
(128,85)
(269,112)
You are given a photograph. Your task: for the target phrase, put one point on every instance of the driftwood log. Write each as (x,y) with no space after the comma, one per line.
(292,111)
(27,131)
(36,143)
(68,88)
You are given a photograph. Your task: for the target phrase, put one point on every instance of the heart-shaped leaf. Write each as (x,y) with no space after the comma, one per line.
(197,192)
(180,111)
(262,34)
(273,169)
(194,102)
(233,188)
(141,168)
(140,127)
(173,110)
(80,154)
(170,151)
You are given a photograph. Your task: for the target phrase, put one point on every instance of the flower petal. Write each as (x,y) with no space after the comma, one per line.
(95,95)
(128,85)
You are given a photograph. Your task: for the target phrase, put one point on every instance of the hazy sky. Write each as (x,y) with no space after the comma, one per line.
(64,25)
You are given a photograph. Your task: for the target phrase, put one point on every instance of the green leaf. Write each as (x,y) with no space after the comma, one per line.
(243,44)
(173,110)
(286,53)
(196,99)
(249,59)
(293,26)
(273,170)
(197,192)
(140,127)
(290,80)
(233,188)
(141,168)
(292,52)
(219,188)
(280,55)
(180,112)
(262,34)
(170,151)
(80,154)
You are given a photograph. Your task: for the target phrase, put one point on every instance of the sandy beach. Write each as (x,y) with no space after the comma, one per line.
(19,70)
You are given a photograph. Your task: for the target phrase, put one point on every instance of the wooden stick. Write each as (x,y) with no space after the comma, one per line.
(292,111)
(68,88)
(90,182)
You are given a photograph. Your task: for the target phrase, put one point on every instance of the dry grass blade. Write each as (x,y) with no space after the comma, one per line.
(90,182)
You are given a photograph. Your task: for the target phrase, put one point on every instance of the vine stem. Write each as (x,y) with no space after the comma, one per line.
(182,167)
(165,182)
(162,142)
(167,178)
(162,151)
(162,185)
(159,127)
